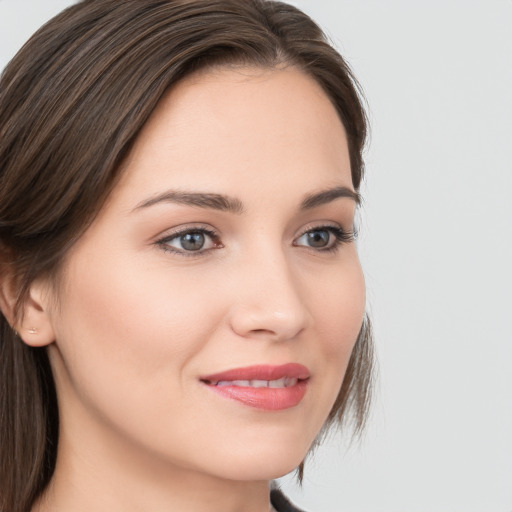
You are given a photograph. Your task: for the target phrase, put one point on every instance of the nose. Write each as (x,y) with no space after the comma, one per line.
(269,303)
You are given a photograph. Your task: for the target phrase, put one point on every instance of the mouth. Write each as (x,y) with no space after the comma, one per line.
(265,387)
(285,382)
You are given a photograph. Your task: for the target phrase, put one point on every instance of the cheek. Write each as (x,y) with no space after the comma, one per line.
(125,338)
(339,312)
(125,323)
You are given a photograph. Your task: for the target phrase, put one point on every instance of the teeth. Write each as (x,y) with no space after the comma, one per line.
(285,382)
(279,383)
(289,382)
(241,383)
(259,383)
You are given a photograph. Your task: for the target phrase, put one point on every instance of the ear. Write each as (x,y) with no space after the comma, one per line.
(33,325)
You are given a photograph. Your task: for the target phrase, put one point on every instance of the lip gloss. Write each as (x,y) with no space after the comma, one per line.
(266,387)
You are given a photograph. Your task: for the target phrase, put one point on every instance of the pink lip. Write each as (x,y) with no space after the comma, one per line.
(270,399)
(261,372)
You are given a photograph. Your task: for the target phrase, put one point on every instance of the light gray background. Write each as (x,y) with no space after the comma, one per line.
(436,246)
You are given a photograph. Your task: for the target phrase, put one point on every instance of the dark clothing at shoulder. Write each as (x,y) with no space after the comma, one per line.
(281,503)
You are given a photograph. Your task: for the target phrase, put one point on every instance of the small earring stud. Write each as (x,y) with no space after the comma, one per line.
(32,330)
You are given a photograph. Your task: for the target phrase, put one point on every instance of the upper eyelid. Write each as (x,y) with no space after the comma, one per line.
(351,231)
(319,225)
(186,228)
(210,230)
(328,227)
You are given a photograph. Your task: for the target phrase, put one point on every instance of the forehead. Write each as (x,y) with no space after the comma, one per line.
(241,128)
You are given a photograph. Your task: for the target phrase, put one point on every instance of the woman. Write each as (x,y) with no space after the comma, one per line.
(181,294)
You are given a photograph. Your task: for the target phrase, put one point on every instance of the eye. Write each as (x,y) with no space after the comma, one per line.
(324,238)
(189,241)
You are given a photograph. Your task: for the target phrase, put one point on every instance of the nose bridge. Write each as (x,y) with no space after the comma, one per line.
(269,302)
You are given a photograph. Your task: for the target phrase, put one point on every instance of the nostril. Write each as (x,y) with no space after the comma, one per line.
(262,334)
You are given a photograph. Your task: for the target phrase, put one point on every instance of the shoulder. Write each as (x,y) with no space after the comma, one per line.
(281,503)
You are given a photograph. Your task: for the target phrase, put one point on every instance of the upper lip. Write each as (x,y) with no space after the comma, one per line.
(260,372)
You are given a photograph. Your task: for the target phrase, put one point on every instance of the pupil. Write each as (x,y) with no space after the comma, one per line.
(318,238)
(192,241)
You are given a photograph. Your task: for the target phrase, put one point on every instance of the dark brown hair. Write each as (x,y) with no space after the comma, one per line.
(72,102)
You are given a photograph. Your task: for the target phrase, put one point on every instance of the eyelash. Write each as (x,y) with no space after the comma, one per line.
(340,235)
(214,236)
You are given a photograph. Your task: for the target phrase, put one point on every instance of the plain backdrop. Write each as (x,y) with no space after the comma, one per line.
(436,246)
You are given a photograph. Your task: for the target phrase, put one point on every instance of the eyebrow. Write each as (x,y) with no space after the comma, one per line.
(201,200)
(225,203)
(329,195)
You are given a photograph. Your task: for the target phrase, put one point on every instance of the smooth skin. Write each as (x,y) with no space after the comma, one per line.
(159,292)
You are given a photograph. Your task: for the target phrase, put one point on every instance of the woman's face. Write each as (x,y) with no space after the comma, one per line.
(227,245)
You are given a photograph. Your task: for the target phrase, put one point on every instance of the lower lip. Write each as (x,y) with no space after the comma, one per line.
(268,399)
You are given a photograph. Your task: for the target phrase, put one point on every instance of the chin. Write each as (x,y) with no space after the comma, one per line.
(263,462)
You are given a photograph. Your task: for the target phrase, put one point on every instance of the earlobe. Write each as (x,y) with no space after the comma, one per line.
(33,325)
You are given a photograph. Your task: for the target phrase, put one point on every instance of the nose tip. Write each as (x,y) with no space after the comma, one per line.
(275,312)
(274,324)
